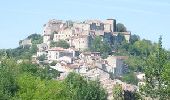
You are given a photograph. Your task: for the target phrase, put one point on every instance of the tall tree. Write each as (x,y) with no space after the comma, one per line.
(156,63)
(98,45)
(8,84)
(121,27)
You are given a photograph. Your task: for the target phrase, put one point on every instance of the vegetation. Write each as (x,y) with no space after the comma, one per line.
(120,28)
(25,52)
(130,78)
(35,38)
(118,92)
(42,57)
(26,81)
(157,74)
(60,43)
(100,46)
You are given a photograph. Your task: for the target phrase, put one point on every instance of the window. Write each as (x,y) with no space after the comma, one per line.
(56,55)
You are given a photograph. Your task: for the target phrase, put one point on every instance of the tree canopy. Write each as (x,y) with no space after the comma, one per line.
(60,43)
(121,27)
(157,74)
(26,81)
(98,45)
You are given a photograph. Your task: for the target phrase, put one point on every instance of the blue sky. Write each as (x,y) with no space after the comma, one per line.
(147,18)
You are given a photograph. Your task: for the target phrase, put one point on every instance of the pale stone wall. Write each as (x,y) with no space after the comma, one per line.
(80,42)
(53,26)
(126,34)
(57,52)
(53,55)
(46,38)
(25,42)
(107,27)
(40,53)
(83,26)
(63,34)
(116,64)
(112,23)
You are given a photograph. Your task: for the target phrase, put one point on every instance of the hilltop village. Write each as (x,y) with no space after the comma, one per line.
(77,57)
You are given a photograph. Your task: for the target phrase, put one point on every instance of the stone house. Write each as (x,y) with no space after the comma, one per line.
(63,34)
(42,49)
(81,42)
(57,52)
(126,35)
(116,64)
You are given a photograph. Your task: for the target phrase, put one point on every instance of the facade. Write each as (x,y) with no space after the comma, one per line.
(53,26)
(80,42)
(116,64)
(46,38)
(110,25)
(83,26)
(54,54)
(126,35)
(63,34)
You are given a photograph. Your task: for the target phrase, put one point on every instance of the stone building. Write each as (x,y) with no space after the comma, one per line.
(77,33)
(116,65)
(63,34)
(126,35)
(53,26)
(42,49)
(83,26)
(55,53)
(81,42)
(25,42)
(110,25)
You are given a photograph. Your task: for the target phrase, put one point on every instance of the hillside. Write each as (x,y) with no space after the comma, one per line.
(90,60)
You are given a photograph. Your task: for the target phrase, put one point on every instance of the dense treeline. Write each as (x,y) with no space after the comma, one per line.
(26,81)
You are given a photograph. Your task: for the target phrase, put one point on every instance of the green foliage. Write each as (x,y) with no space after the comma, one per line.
(53,44)
(141,48)
(47,73)
(35,38)
(119,42)
(99,46)
(60,43)
(8,74)
(120,28)
(134,38)
(156,73)
(33,88)
(42,57)
(44,72)
(26,81)
(53,63)
(80,89)
(2,53)
(118,92)
(135,63)
(28,68)
(130,78)
(25,52)
(21,52)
